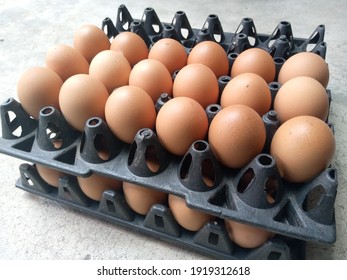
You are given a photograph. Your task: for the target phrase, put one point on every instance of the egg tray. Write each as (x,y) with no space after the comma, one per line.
(211,240)
(302,211)
(298,212)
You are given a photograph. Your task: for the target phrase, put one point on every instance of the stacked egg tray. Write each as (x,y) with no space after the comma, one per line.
(300,212)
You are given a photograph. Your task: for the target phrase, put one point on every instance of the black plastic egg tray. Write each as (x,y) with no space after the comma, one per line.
(296,212)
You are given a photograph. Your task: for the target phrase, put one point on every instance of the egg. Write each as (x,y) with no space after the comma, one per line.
(248,89)
(302,147)
(198,82)
(170,52)
(153,77)
(131,45)
(257,61)
(188,218)
(180,122)
(89,40)
(66,61)
(236,135)
(94,185)
(127,110)
(247,236)
(38,87)
(305,64)
(49,175)
(141,199)
(301,96)
(111,68)
(212,55)
(82,97)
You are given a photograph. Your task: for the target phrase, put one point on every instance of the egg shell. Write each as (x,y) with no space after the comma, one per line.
(170,52)
(236,135)
(257,61)
(198,82)
(212,55)
(305,64)
(141,199)
(188,218)
(66,61)
(82,97)
(89,40)
(127,110)
(94,185)
(131,45)
(153,77)
(247,236)
(38,87)
(49,175)
(248,89)
(302,147)
(111,68)
(301,96)
(180,122)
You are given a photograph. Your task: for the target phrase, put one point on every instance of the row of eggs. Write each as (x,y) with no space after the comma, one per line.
(121,80)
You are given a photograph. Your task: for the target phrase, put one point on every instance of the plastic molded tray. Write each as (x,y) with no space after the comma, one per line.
(299,213)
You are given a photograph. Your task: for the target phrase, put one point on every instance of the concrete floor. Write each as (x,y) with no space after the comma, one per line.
(35,228)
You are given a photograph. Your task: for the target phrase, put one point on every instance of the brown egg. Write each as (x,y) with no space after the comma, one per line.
(82,97)
(89,40)
(153,77)
(94,185)
(305,64)
(111,68)
(170,52)
(302,147)
(180,122)
(66,61)
(131,45)
(301,96)
(188,218)
(247,236)
(257,61)
(248,89)
(212,55)
(141,199)
(198,82)
(236,135)
(127,110)
(49,175)
(38,87)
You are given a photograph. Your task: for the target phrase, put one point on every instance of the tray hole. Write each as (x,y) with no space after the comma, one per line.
(271,189)
(245,180)
(314,198)
(159,221)
(186,166)
(11,118)
(265,160)
(67,194)
(184,33)
(101,147)
(332,174)
(274,255)
(207,172)
(152,159)
(110,206)
(213,238)
(28,180)
(54,136)
(200,146)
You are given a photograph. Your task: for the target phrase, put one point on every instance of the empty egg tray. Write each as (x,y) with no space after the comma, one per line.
(297,212)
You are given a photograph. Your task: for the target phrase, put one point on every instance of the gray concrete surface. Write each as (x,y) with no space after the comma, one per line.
(35,228)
